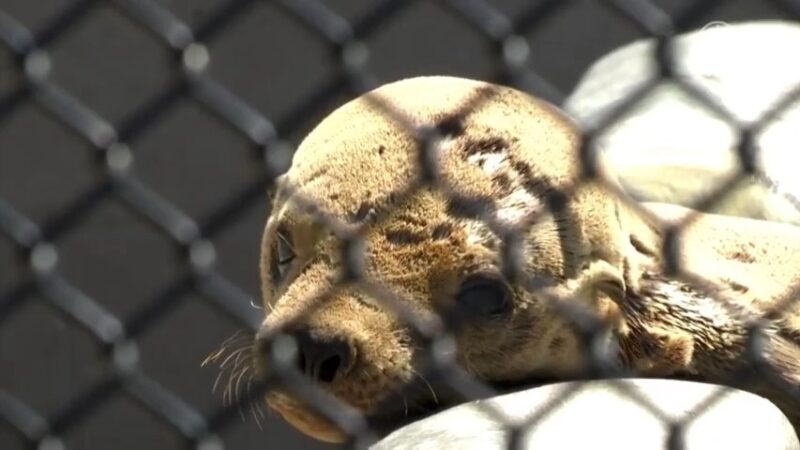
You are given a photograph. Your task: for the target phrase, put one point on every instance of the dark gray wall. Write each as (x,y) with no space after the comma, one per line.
(195,161)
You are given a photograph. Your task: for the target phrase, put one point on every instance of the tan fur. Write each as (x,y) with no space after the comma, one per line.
(358,165)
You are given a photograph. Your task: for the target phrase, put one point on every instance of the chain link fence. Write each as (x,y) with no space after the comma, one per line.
(40,249)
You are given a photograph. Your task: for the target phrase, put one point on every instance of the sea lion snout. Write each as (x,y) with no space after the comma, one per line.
(323,357)
(355,358)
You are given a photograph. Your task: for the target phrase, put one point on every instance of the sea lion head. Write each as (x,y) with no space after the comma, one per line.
(507,165)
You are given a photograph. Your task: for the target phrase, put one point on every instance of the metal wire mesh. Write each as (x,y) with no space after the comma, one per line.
(40,270)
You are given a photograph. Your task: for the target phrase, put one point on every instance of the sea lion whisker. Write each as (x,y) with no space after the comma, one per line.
(242,354)
(217,380)
(255,416)
(233,356)
(427,383)
(225,347)
(228,395)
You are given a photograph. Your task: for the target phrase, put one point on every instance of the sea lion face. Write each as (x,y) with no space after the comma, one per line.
(434,253)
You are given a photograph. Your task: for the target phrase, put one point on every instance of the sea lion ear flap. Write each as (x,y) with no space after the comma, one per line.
(276,187)
(601,287)
(602,279)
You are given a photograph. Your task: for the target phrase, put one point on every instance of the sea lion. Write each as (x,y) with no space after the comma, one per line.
(501,163)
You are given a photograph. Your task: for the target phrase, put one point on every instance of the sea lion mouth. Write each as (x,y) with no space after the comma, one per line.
(305,419)
(317,426)
(398,409)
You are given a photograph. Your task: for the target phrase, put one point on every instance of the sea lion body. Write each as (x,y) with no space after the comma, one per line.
(360,168)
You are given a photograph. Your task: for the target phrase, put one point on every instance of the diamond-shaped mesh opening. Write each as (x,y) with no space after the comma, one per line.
(60,348)
(127,65)
(548,39)
(101,430)
(700,146)
(9,78)
(239,249)
(648,427)
(37,189)
(300,120)
(278,76)
(651,412)
(777,159)
(103,256)
(440,42)
(193,330)
(193,12)
(8,260)
(9,438)
(352,10)
(34,18)
(515,8)
(167,150)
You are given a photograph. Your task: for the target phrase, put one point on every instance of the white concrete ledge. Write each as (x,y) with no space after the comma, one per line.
(599,416)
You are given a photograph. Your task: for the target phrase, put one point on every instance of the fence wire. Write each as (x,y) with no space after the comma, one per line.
(37,241)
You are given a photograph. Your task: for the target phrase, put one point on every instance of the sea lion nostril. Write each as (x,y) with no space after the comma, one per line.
(321,357)
(301,362)
(329,368)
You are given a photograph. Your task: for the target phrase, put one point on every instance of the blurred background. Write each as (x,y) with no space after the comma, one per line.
(109,255)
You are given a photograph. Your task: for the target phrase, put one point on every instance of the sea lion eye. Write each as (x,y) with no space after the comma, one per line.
(282,256)
(484,297)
